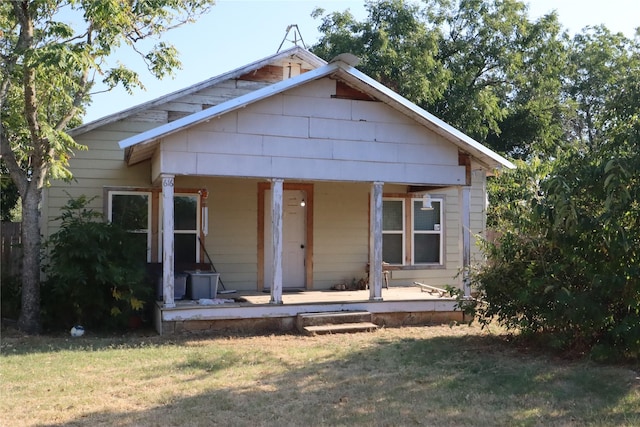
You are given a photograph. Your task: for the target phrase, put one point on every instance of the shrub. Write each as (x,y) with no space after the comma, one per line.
(95,272)
(567,270)
(10,292)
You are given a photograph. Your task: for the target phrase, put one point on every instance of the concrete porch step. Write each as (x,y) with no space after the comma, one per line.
(335,322)
(323,318)
(340,328)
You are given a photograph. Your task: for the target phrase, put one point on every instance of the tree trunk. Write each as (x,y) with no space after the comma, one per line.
(29,320)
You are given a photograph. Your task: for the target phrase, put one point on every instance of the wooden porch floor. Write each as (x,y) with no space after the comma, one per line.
(248,298)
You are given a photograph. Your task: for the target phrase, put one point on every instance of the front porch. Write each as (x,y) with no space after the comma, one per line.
(252,311)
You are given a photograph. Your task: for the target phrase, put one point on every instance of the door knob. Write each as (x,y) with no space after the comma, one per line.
(301,246)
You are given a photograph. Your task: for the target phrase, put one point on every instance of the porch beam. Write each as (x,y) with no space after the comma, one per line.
(465,225)
(167,241)
(375,243)
(277,194)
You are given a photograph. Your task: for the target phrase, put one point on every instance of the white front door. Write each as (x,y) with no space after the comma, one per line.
(293,239)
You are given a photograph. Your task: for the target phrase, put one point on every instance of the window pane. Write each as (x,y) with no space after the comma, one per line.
(392,215)
(392,248)
(140,246)
(130,211)
(426,248)
(185,248)
(425,220)
(185,212)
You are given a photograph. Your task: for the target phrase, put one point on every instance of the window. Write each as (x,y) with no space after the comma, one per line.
(393,231)
(427,233)
(418,233)
(185,224)
(186,228)
(132,210)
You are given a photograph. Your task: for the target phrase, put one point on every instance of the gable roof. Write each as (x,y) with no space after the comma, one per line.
(141,146)
(296,51)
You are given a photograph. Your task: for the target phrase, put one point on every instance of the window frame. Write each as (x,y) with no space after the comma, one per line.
(148,230)
(408,232)
(402,232)
(439,232)
(196,231)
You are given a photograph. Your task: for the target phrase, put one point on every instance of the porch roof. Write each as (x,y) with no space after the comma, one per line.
(142,146)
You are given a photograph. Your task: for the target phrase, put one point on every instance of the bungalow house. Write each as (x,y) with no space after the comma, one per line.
(289,173)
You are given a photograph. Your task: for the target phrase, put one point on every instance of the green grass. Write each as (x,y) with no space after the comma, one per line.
(434,376)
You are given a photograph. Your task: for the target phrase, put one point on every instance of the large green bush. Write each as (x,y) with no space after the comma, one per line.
(95,272)
(566,267)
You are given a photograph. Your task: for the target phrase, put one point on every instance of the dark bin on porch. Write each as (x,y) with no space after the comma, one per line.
(179,286)
(202,284)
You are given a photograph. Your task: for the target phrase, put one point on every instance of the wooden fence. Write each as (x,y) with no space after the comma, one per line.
(11,249)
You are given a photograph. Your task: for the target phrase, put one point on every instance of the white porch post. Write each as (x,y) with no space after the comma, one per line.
(167,241)
(276,231)
(465,225)
(375,243)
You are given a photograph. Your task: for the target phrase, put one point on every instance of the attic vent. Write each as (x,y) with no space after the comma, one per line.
(344,91)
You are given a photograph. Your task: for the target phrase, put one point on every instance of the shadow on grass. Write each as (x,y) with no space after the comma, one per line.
(443,381)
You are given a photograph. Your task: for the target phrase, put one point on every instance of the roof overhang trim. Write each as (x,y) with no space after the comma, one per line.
(350,75)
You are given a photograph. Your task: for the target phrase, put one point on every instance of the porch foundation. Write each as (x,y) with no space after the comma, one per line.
(406,307)
(288,324)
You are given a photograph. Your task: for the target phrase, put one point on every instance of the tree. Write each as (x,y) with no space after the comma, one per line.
(566,267)
(47,71)
(450,55)
(597,60)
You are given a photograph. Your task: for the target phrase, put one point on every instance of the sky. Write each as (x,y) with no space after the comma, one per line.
(237,32)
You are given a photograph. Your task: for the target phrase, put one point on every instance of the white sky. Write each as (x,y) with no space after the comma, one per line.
(237,32)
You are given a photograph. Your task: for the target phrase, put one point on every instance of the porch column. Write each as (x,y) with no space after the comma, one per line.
(276,231)
(375,243)
(167,241)
(464,194)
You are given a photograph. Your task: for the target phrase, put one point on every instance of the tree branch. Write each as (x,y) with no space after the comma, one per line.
(77,101)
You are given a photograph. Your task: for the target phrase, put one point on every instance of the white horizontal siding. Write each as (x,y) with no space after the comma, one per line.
(348,130)
(323,88)
(376,112)
(273,124)
(308,135)
(301,148)
(224,143)
(327,108)
(478,214)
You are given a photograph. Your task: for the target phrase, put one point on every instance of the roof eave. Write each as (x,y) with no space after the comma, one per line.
(296,50)
(226,107)
(485,156)
(432,122)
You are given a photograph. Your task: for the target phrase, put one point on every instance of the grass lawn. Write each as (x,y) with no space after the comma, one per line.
(422,376)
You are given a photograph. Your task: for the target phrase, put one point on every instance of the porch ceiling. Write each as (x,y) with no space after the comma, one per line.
(142,152)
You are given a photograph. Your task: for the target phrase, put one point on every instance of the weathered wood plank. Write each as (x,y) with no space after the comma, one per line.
(167,241)
(375,242)
(277,193)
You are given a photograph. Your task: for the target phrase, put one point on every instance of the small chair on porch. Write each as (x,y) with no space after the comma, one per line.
(385,274)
